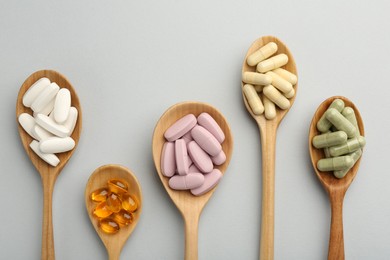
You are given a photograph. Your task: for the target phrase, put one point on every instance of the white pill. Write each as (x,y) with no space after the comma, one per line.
(40,133)
(48,108)
(45,97)
(27,122)
(33,92)
(62,105)
(47,157)
(57,145)
(275,96)
(51,126)
(70,123)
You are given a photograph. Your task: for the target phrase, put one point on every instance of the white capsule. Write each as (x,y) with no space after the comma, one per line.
(47,157)
(262,54)
(27,122)
(62,105)
(51,126)
(272,63)
(280,83)
(287,75)
(57,145)
(253,99)
(40,133)
(275,96)
(45,97)
(70,123)
(33,92)
(269,108)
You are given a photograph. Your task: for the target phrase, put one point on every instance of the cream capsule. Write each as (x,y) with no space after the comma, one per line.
(272,63)
(261,54)
(350,146)
(355,157)
(280,83)
(340,122)
(290,94)
(323,125)
(275,96)
(258,88)
(253,99)
(287,75)
(335,163)
(329,139)
(255,78)
(269,108)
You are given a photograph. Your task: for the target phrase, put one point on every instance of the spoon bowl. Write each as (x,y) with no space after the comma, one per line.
(268,129)
(336,188)
(48,173)
(189,205)
(99,178)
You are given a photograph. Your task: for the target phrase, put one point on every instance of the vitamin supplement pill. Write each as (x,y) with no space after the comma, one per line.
(47,109)
(181,157)
(287,75)
(27,122)
(280,83)
(210,181)
(180,127)
(253,99)
(349,114)
(272,63)
(255,78)
(261,54)
(350,146)
(326,152)
(290,94)
(40,133)
(219,159)
(70,123)
(329,139)
(113,203)
(206,140)
(323,125)
(57,145)
(101,210)
(335,163)
(187,137)
(129,202)
(33,92)
(62,105)
(212,126)
(269,108)
(45,97)
(187,182)
(193,168)
(117,186)
(258,88)
(47,157)
(199,157)
(100,195)
(340,122)
(275,96)
(48,124)
(168,161)
(355,156)
(109,226)
(123,217)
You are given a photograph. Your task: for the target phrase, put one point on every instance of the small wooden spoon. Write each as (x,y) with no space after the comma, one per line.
(268,130)
(48,173)
(336,188)
(190,206)
(113,242)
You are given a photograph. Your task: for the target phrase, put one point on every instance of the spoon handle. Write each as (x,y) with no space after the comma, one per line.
(336,240)
(268,141)
(191,223)
(47,223)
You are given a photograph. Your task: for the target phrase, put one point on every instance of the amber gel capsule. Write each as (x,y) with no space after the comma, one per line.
(108,225)
(101,210)
(100,195)
(117,186)
(129,202)
(114,203)
(123,217)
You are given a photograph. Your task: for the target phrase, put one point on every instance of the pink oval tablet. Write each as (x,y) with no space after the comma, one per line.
(219,159)
(211,179)
(193,168)
(168,161)
(212,126)
(187,182)
(187,137)
(206,140)
(181,156)
(180,127)
(199,157)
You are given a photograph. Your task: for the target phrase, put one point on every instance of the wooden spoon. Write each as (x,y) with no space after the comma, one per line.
(268,130)
(189,205)
(336,188)
(113,242)
(48,173)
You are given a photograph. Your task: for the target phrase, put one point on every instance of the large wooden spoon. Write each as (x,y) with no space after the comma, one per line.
(336,188)
(113,242)
(190,206)
(268,130)
(48,173)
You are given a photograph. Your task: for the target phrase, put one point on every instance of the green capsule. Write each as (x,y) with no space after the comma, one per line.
(349,114)
(329,139)
(323,125)
(340,122)
(335,163)
(350,146)
(355,156)
(326,152)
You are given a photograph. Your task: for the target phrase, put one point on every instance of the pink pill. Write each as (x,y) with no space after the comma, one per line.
(219,159)
(187,182)
(168,161)
(211,179)
(206,140)
(193,168)
(180,127)
(199,157)
(181,156)
(187,137)
(212,126)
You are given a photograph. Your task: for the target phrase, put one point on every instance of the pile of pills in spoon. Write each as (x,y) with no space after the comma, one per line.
(192,149)
(340,139)
(270,85)
(52,122)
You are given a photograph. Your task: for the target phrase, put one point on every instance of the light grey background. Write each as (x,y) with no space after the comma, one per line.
(130,60)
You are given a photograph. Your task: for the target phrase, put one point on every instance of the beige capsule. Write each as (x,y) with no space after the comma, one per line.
(253,99)
(290,94)
(272,63)
(258,88)
(275,96)
(280,83)
(255,78)
(269,108)
(287,75)
(261,54)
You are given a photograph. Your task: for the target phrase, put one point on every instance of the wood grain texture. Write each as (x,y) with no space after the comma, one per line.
(336,188)
(189,205)
(113,242)
(268,129)
(48,173)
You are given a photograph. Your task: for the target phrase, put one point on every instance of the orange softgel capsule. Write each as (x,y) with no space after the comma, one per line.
(102,211)
(117,186)
(123,217)
(129,202)
(114,203)
(100,195)
(109,226)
